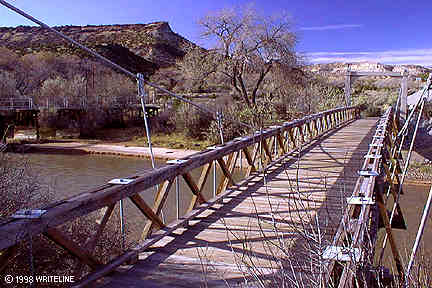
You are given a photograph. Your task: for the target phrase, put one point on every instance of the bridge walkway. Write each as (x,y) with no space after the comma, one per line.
(259,222)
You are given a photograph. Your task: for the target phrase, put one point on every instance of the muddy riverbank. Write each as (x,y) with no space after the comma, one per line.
(108,149)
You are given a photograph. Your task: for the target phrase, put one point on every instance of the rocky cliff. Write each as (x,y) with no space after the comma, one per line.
(138,47)
(340,68)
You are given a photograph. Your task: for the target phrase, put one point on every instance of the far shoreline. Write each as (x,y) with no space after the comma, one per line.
(76,147)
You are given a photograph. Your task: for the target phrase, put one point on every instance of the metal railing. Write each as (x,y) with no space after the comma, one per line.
(357,232)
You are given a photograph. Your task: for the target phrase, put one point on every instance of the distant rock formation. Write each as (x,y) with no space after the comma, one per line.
(340,68)
(137,47)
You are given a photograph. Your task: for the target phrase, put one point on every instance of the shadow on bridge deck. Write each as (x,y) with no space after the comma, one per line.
(258,229)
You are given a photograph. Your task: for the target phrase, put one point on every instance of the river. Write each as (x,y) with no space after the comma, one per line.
(69,175)
(412,204)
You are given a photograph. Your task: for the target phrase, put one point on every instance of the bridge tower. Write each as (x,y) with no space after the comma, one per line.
(349,76)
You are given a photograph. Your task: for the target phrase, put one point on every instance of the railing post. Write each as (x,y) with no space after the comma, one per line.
(214,178)
(177,184)
(348,87)
(404,94)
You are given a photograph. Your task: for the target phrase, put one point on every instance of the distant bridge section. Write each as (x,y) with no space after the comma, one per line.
(402,101)
(17,104)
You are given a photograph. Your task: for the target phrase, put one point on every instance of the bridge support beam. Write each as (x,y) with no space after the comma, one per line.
(2,129)
(9,119)
(348,88)
(404,95)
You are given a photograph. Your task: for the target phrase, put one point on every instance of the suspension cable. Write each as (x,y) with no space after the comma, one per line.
(396,202)
(141,95)
(220,127)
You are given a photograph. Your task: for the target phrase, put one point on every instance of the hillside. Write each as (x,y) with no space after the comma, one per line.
(138,47)
(340,68)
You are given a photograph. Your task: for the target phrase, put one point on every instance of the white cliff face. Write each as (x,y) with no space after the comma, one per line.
(369,66)
(341,68)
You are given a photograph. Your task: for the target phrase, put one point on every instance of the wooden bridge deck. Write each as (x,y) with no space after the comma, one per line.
(301,190)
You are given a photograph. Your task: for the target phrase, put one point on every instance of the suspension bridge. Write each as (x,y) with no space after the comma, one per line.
(306,210)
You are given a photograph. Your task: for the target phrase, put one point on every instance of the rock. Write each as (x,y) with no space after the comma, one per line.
(340,68)
(143,47)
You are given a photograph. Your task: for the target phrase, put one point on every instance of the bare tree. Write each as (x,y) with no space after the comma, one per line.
(248,47)
(197,66)
(31,71)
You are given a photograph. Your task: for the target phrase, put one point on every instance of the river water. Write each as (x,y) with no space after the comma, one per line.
(69,175)
(412,204)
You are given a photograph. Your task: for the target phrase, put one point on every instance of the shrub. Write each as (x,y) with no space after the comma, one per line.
(164,122)
(195,123)
(240,119)
(19,188)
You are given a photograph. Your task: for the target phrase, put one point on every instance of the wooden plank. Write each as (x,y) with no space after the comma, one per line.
(315,128)
(60,239)
(159,202)
(146,210)
(281,145)
(170,228)
(286,140)
(292,138)
(193,186)
(309,130)
(266,150)
(271,146)
(348,88)
(92,243)
(250,160)
(364,186)
(162,195)
(201,182)
(300,131)
(226,172)
(253,168)
(387,226)
(245,213)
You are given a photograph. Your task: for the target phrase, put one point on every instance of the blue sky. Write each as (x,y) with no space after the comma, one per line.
(394,32)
